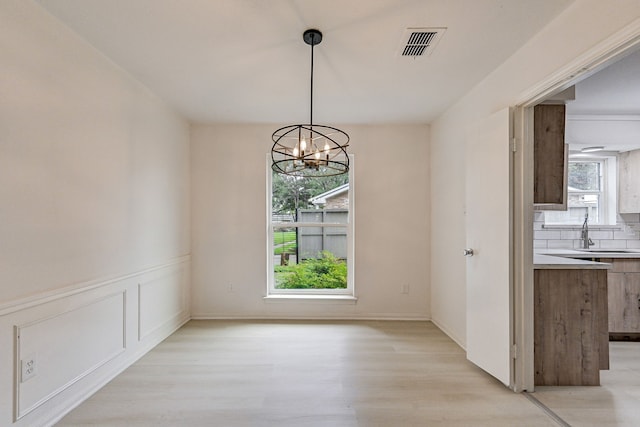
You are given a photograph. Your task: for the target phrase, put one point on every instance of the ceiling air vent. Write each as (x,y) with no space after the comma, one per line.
(420,41)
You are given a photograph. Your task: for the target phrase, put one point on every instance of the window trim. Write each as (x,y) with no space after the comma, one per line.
(608,190)
(346,294)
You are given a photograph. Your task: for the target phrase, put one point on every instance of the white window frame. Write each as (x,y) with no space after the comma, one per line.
(349,291)
(608,185)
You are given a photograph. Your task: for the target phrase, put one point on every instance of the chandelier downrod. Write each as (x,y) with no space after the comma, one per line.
(309,36)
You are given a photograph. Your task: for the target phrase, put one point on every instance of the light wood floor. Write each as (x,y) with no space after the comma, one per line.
(290,373)
(615,403)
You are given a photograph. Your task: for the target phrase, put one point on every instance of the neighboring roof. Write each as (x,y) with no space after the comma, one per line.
(321,199)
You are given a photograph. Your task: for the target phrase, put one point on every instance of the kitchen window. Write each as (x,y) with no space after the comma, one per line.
(591,190)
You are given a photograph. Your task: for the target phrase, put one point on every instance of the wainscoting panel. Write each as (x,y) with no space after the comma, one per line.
(58,348)
(67,347)
(160,299)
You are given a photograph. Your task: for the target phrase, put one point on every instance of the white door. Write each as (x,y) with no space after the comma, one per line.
(488,230)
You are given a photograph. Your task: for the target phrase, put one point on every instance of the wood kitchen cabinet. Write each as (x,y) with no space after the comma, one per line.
(624,298)
(550,158)
(629,182)
(571,340)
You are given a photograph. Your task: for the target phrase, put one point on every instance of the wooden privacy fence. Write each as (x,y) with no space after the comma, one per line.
(313,240)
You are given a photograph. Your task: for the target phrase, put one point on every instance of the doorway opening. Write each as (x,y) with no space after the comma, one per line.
(622,47)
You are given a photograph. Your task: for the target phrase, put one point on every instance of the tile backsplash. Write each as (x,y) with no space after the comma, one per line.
(625,234)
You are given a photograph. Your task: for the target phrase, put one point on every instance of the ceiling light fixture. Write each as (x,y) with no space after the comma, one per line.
(592,149)
(310,150)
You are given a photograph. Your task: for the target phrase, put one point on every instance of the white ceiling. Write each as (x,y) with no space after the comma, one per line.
(245,61)
(606,111)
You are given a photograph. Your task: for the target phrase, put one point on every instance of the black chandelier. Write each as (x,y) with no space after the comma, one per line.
(310,150)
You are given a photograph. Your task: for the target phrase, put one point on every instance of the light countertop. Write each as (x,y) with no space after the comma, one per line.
(549,262)
(575,258)
(592,253)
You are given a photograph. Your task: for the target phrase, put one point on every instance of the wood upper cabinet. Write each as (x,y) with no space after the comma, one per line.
(629,182)
(550,157)
(624,296)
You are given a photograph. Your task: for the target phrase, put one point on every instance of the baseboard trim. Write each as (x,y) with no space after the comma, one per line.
(204,316)
(448,333)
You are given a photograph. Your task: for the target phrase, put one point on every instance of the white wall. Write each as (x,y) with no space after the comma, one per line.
(581,26)
(94,208)
(229,223)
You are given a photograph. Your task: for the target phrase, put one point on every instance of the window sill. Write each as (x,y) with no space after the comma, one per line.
(330,299)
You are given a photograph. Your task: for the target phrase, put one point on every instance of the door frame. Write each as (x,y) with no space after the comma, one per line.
(595,59)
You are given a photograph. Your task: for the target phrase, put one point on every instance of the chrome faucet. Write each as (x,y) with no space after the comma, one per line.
(586,240)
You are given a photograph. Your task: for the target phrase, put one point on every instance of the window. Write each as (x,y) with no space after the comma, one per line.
(310,234)
(591,190)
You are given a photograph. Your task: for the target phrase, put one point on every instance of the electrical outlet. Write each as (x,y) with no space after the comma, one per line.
(405,288)
(28,368)
(230,287)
